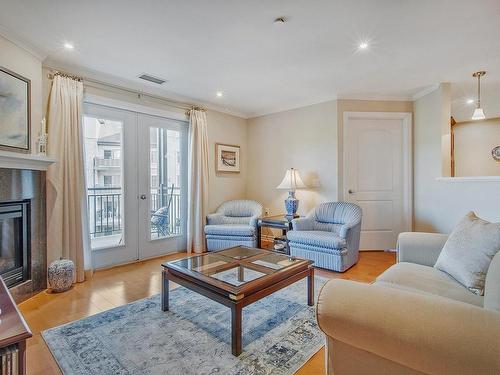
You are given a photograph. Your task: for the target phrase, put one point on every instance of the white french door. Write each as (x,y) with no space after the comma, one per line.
(136,184)
(162,180)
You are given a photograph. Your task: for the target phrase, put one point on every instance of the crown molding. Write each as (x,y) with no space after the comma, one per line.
(274,110)
(22,43)
(381,98)
(426,91)
(115,82)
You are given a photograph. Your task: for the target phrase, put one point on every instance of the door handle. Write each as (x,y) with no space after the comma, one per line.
(143,197)
(350,191)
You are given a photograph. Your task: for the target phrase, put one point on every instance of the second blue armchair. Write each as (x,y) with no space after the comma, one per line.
(329,236)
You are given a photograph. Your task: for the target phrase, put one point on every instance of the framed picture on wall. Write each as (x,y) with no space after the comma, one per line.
(15,111)
(227,158)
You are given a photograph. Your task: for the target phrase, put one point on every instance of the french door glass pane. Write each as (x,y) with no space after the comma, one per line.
(103,166)
(165,182)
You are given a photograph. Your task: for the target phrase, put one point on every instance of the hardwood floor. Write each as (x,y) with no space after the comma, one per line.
(120,285)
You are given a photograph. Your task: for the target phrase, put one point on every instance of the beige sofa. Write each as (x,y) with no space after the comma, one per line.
(414,319)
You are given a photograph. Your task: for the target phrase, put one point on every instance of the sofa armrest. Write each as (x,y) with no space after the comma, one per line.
(420,248)
(303,223)
(431,334)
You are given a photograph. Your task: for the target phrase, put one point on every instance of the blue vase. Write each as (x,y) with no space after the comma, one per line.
(291,204)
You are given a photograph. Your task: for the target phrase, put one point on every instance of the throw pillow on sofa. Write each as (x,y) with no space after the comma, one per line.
(468,252)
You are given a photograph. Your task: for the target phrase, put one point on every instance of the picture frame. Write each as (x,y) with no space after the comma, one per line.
(495,153)
(15,111)
(227,158)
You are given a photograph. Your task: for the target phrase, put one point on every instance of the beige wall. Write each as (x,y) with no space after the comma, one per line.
(474,141)
(440,204)
(349,105)
(304,138)
(227,129)
(25,64)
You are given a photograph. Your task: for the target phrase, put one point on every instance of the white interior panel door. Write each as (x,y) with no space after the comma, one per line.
(376,175)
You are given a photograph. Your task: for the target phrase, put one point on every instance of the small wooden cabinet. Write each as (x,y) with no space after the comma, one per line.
(13,335)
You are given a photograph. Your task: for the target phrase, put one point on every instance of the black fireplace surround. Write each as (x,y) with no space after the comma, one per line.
(23,239)
(14,242)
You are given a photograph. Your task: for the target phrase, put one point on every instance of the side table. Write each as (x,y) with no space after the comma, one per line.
(282,222)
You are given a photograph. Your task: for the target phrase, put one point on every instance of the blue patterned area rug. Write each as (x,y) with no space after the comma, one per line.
(279,335)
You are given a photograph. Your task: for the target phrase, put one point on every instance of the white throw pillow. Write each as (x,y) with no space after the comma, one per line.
(467,254)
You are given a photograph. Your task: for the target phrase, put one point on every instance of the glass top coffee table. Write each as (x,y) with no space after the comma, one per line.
(237,277)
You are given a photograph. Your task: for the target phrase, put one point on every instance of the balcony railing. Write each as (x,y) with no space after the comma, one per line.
(104,163)
(105,211)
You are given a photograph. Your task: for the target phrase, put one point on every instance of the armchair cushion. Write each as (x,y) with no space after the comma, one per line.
(303,223)
(230,230)
(317,238)
(427,280)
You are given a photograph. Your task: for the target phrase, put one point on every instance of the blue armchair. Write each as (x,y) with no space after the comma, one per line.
(234,223)
(329,236)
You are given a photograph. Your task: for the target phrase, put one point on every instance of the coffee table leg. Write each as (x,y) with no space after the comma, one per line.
(241,274)
(310,287)
(236,310)
(164,290)
(259,233)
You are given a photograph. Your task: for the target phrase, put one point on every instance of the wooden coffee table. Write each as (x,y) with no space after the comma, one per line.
(237,277)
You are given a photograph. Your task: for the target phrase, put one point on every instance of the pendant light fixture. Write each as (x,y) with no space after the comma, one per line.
(478,112)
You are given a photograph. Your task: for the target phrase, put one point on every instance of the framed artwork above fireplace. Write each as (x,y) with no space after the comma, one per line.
(15,111)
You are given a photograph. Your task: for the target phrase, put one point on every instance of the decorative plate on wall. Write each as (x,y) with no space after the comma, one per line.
(496,153)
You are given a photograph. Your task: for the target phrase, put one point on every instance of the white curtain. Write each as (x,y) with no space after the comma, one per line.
(197,181)
(67,226)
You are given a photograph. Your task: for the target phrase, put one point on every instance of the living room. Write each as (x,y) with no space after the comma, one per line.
(183,184)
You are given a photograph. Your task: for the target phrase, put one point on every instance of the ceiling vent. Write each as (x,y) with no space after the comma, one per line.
(153,79)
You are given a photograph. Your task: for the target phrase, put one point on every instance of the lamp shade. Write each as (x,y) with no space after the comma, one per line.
(291,181)
(478,114)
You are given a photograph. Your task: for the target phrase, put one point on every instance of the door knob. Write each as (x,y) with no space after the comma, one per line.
(143,196)
(350,191)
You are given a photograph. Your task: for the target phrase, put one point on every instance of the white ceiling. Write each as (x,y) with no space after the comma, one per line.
(204,46)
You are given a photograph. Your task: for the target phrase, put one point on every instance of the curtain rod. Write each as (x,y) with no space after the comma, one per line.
(94,82)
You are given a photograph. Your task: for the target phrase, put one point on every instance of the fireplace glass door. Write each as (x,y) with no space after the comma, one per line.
(13,243)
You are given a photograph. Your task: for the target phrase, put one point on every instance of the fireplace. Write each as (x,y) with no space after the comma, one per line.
(14,242)
(23,241)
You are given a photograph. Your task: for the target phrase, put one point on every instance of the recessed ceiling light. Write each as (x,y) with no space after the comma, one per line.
(470,101)
(363,45)
(219,94)
(69,46)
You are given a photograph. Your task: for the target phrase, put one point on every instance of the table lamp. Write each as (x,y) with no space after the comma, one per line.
(291,182)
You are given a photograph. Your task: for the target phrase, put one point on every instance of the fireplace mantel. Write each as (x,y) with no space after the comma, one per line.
(14,160)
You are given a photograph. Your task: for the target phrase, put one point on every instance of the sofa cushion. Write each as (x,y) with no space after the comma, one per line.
(230,230)
(427,280)
(468,252)
(317,238)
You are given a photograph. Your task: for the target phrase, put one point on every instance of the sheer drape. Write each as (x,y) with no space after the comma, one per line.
(67,227)
(197,181)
